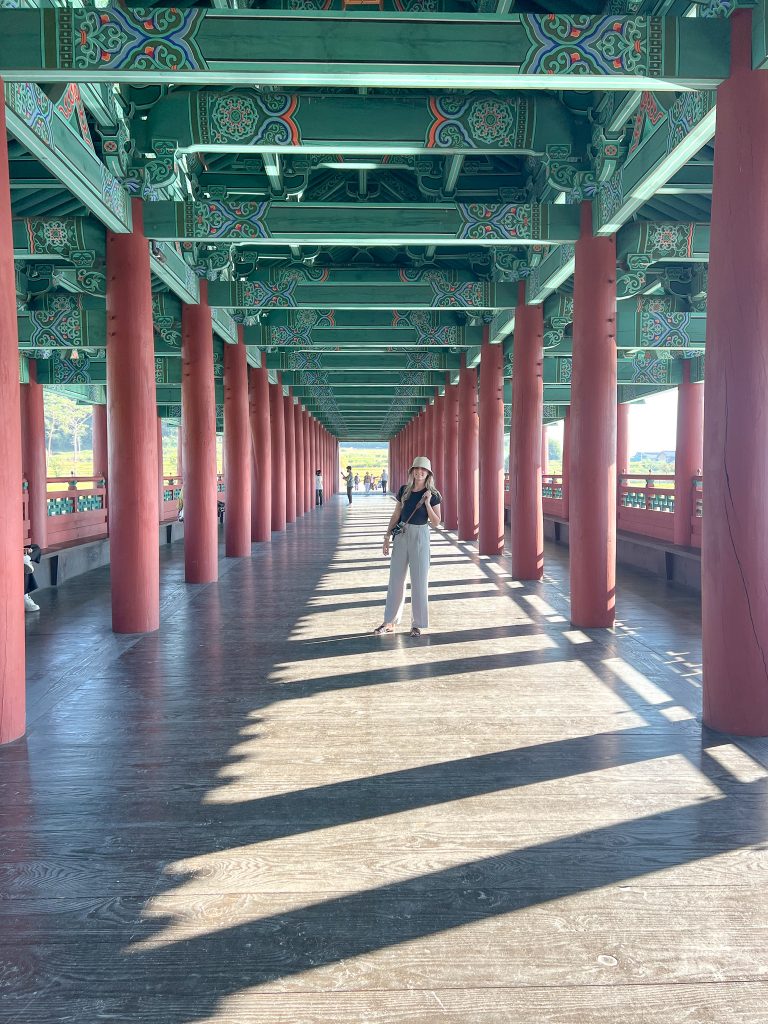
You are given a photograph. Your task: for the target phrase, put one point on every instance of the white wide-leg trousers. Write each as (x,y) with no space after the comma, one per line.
(410,550)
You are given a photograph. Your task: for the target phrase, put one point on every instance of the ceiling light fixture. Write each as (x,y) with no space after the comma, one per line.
(351,165)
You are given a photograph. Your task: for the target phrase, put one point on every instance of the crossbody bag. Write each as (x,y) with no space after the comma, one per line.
(400,527)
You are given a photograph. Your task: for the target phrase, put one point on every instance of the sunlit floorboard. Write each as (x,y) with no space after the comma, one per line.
(262,813)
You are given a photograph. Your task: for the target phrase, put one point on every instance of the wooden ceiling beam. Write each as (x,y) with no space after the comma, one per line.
(517,51)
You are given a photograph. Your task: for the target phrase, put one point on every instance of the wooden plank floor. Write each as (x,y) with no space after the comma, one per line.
(264,814)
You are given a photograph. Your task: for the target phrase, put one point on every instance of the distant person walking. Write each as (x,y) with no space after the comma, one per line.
(318,487)
(367,483)
(349,481)
(417,510)
(384,481)
(357,481)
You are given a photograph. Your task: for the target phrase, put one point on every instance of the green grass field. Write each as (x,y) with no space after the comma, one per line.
(363,460)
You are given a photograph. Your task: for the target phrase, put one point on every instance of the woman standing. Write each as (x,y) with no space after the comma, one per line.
(417,510)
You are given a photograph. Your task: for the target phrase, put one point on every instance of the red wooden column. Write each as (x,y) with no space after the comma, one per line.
(490,539)
(734,549)
(688,451)
(277,424)
(290,458)
(323,460)
(33,459)
(100,464)
(429,435)
(301,469)
(132,433)
(592,535)
(451,482)
(319,455)
(198,398)
(237,451)
(261,437)
(622,439)
(12,682)
(309,483)
(566,461)
(468,465)
(438,440)
(314,464)
(526,442)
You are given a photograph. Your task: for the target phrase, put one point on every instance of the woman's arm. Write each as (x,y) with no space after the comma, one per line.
(391,525)
(433,514)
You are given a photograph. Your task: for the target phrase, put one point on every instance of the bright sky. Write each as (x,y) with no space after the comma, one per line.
(652,423)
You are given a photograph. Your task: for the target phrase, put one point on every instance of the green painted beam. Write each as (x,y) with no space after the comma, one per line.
(344,379)
(340,49)
(336,322)
(361,224)
(362,340)
(75,240)
(174,271)
(664,137)
(693,179)
(62,368)
(667,132)
(648,242)
(321,290)
(375,402)
(242,121)
(171,395)
(373,362)
(46,130)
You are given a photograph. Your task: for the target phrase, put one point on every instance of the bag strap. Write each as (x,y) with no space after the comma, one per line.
(410,517)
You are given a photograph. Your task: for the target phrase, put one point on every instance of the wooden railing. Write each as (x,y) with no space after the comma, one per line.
(645,504)
(169,509)
(77,509)
(552,499)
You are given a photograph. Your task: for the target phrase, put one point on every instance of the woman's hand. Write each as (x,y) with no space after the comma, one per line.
(385,546)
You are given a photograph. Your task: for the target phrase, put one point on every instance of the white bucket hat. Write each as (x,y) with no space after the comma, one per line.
(422,462)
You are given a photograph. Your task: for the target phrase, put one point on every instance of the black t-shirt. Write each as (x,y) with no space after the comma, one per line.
(419,517)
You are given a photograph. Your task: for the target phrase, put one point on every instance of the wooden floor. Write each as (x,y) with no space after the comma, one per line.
(264,814)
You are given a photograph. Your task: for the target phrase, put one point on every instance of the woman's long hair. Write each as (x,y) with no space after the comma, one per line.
(429,485)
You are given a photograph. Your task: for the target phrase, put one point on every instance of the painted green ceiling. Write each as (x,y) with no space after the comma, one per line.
(360,212)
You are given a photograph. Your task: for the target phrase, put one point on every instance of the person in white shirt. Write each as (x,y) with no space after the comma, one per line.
(318,487)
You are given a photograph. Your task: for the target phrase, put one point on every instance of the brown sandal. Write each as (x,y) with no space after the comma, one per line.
(415,631)
(383,628)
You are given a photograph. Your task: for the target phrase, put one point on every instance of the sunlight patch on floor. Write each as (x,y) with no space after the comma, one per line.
(635,680)
(736,762)
(258,881)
